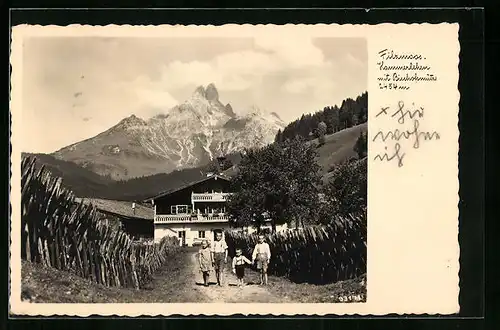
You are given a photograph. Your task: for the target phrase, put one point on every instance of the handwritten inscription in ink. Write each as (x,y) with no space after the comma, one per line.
(401,71)
(407,121)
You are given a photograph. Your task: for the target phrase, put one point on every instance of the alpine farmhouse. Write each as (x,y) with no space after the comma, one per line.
(195,211)
(192,212)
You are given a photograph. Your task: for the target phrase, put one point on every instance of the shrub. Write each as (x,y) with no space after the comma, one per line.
(315,254)
(346,191)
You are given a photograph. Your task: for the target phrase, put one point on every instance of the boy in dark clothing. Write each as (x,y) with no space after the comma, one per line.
(239,266)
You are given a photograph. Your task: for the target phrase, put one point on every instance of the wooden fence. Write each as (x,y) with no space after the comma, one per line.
(61,233)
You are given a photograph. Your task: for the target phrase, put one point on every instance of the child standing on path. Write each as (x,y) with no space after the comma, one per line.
(239,266)
(219,255)
(205,259)
(262,253)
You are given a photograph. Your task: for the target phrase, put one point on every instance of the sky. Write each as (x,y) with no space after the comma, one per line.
(77,87)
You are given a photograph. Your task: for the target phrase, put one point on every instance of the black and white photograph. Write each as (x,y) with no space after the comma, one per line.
(234,169)
(162,170)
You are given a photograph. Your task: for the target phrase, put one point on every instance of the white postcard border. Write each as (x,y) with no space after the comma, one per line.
(413,250)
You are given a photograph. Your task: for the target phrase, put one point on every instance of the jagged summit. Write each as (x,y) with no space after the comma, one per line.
(199,91)
(211,93)
(229,110)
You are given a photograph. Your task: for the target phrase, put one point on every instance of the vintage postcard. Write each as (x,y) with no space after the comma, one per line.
(235,169)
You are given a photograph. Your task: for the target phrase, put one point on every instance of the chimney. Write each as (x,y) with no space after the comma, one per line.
(133,207)
(221,159)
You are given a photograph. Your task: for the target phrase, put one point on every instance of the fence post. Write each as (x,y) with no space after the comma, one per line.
(132,262)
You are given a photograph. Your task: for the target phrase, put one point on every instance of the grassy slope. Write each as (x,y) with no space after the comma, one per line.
(338,147)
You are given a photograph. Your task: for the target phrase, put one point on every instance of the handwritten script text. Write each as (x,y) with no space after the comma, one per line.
(408,129)
(400,71)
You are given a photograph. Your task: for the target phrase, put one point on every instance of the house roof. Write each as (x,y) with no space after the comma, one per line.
(120,208)
(231,172)
(170,191)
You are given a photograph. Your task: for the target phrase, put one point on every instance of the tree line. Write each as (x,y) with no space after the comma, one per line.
(331,119)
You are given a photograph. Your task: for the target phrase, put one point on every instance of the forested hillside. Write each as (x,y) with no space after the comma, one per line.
(85,183)
(352,112)
(80,180)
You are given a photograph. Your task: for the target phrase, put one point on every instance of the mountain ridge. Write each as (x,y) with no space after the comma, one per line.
(188,135)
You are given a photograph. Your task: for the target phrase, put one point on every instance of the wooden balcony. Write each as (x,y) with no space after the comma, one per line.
(188,218)
(209,197)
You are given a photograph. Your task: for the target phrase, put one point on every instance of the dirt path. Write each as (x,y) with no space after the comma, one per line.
(229,292)
(179,281)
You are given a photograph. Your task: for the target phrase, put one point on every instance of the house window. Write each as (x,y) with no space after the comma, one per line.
(201,234)
(182,209)
(179,209)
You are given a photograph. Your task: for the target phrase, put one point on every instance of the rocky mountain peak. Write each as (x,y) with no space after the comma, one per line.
(132,118)
(130,121)
(199,91)
(255,111)
(229,110)
(211,93)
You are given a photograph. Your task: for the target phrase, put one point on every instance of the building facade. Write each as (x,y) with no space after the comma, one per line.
(194,212)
